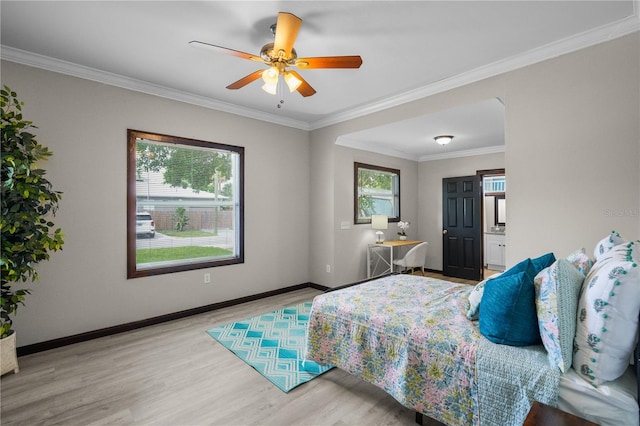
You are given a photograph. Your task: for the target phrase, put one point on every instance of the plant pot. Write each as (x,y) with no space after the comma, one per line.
(403,237)
(8,355)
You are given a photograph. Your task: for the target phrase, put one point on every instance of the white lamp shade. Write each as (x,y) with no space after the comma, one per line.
(379,221)
(270,76)
(271,89)
(292,81)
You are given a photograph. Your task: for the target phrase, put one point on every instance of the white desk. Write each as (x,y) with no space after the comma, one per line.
(380,256)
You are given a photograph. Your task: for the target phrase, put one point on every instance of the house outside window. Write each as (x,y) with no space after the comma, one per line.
(184,204)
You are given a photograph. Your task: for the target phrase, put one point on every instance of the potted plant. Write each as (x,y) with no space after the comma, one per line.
(403,226)
(28,202)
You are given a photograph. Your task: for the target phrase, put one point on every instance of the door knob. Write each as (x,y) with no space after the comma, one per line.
(444,232)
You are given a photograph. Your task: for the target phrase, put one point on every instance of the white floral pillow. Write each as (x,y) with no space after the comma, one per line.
(581,261)
(475,297)
(557,291)
(607,243)
(608,310)
(473,304)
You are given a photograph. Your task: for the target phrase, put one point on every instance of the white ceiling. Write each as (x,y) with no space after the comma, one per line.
(477,128)
(409,49)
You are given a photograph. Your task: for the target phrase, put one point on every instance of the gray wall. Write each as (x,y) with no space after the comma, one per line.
(431,175)
(350,245)
(572,158)
(573,143)
(84,287)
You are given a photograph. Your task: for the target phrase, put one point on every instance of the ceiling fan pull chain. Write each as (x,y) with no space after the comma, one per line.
(281,93)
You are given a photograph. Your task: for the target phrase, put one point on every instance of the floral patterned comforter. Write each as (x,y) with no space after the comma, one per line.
(407,335)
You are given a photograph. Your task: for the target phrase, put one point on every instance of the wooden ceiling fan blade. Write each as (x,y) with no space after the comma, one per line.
(329,62)
(305,88)
(226,50)
(246,80)
(287,28)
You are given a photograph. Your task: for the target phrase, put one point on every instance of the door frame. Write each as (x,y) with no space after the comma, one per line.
(483,174)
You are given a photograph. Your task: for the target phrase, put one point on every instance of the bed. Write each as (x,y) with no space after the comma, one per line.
(412,337)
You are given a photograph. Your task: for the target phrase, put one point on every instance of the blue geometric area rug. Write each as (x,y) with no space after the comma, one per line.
(273,344)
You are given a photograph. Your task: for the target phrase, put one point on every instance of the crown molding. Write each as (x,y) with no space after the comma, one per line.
(552,50)
(68,68)
(356,144)
(468,153)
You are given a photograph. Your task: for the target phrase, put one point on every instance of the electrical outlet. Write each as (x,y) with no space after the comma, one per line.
(207,278)
(328,268)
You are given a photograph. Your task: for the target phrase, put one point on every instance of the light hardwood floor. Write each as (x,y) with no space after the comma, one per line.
(176,374)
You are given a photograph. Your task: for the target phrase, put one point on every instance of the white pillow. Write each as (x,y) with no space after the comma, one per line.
(581,261)
(475,297)
(608,310)
(606,244)
(473,304)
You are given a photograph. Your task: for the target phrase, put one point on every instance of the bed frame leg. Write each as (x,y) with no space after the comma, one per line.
(419,418)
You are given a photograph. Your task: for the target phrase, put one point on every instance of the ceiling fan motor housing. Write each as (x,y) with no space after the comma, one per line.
(269,55)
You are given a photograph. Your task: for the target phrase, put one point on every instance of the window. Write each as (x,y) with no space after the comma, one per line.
(184,204)
(376,191)
(494,184)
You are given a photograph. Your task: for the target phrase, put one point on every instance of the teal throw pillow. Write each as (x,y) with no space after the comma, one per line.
(544,261)
(508,308)
(519,267)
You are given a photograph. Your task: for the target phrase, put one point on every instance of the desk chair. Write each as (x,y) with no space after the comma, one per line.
(414,258)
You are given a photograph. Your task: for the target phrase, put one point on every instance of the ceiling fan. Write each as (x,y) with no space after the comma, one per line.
(279,55)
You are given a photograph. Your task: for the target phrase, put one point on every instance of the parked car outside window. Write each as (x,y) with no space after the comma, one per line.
(145,226)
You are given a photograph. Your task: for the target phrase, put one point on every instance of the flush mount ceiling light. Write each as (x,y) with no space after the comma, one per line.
(443,139)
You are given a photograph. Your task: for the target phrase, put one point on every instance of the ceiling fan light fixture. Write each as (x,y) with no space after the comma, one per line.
(271,89)
(270,76)
(292,81)
(443,139)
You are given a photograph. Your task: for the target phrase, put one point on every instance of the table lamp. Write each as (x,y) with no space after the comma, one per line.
(379,221)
